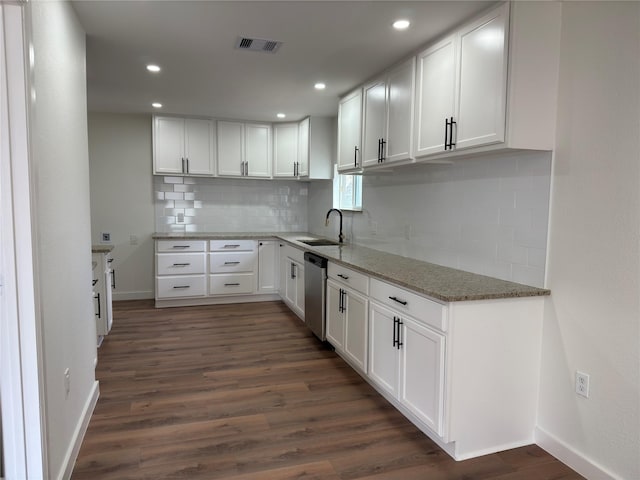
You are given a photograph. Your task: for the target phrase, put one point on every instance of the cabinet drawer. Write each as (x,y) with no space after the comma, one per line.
(231,284)
(180,263)
(231,245)
(182,286)
(346,276)
(224,262)
(401,300)
(180,245)
(295,254)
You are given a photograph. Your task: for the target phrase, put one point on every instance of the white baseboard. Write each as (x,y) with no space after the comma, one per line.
(142,295)
(78,435)
(571,457)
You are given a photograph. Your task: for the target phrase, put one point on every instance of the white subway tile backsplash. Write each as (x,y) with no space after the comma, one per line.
(173,179)
(182,188)
(174,195)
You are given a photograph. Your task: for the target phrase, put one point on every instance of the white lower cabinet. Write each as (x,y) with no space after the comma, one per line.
(103,283)
(292,279)
(180,269)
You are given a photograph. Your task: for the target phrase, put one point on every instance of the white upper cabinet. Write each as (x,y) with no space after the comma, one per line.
(482,80)
(244,149)
(491,85)
(350,131)
(388,116)
(183,146)
(435,94)
(303,148)
(285,149)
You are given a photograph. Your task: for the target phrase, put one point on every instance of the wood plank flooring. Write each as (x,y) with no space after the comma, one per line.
(245,392)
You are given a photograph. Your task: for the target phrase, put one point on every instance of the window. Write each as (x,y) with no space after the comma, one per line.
(347,191)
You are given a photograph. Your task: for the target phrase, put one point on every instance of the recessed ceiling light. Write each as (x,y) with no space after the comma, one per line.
(319,86)
(281,115)
(156,105)
(153,68)
(401,24)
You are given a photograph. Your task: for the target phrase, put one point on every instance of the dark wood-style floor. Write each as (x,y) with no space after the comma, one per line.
(246,392)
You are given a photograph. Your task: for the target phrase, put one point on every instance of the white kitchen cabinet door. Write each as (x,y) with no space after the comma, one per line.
(294,296)
(384,361)
(399,122)
(168,145)
(350,131)
(267,266)
(283,271)
(374,122)
(303,148)
(335,317)
(285,149)
(257,147)
(356,328)
(230,148)
(482,80)
(435,96)
(198,148)
(422,373)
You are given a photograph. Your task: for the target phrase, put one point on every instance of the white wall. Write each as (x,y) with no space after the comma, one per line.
(592,319)
(60,184)
(486,215)
(122,197)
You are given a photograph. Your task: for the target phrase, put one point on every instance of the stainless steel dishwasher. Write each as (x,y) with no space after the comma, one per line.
(315,287)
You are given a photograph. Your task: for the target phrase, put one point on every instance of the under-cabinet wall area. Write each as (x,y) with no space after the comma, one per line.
(487,215)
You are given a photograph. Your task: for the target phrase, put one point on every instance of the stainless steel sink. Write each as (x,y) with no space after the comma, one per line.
(319,242)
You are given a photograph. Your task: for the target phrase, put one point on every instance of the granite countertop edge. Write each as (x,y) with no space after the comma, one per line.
(443,284)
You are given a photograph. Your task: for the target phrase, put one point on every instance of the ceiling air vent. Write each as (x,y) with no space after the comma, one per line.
(258,44)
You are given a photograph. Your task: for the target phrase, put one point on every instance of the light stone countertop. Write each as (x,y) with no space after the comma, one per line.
(435,281)
(101,248)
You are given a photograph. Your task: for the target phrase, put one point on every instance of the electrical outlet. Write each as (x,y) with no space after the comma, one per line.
(582,384)
(105,237)
(67,382)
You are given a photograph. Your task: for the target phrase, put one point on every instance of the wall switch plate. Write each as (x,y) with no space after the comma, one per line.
(105,237)
(582,384)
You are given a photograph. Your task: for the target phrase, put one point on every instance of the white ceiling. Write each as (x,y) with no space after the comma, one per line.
(342,43)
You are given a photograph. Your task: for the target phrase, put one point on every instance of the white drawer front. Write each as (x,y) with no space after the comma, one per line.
(182,286)
(181,245)
(180,263)
(295,253)
(232,245)
(346,276)
(231,284)
(401,300)
(223,262)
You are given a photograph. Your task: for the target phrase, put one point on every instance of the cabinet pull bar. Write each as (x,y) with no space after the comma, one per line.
(181,264)
(182,286)
(181,246)
(400,323)
(355,156)
(446,133)
(382,144)
(231,284)
(187,164)
(99,314)
(451,124)
(182,164)
(344,277)
(344,301)
(113,279)
(395,299)
(231,263)
(340,301)
(231,246)
(395,321)
(379,145)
